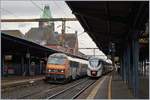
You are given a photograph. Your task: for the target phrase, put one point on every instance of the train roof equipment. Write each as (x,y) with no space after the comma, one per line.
(70,57)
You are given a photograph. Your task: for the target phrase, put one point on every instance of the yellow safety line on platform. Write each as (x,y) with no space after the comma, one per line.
(96,88)
(109,88)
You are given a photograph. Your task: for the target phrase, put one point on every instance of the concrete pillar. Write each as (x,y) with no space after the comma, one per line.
(41,66)
(2,67)
(28,67)
(22,66)
(28,58)
(129,65)
(135,57)
(144,67)
(124,66)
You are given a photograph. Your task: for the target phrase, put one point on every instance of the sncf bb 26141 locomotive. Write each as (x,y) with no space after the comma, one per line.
(62,68)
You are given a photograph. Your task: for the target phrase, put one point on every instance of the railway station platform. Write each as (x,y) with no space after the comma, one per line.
(119,89)
(13,81)
(110,87)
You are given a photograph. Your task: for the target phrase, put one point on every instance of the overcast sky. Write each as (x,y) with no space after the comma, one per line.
(31,9)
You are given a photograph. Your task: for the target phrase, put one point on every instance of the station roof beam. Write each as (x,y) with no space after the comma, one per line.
(110,21)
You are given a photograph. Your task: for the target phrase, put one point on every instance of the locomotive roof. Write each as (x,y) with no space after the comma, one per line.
(69,57)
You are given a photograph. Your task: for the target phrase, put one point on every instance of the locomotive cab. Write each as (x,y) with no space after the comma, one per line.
(56,68)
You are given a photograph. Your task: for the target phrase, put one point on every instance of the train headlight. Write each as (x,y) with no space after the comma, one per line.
(49,70)
(93,72)
(62,71)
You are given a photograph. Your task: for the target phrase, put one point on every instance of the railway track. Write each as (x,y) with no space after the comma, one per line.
(74,91)
(27,91)
(36,92)
(82,90)
(44,93)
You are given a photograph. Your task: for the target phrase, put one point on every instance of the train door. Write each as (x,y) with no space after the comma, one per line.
(74,66)
(84,70)
(79,69)
(73,73)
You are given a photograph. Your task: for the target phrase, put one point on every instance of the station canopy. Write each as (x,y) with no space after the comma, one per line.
(110,21)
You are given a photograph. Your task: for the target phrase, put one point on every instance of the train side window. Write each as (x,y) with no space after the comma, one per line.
(74,64)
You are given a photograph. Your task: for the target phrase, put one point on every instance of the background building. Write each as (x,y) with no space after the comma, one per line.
(15,33)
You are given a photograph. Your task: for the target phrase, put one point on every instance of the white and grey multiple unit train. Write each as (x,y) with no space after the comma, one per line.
(98,66)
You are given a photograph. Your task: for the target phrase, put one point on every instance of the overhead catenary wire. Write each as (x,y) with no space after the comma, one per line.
(63,12)
(68,27)
(60,8)
(9,12)
(55,5)
(36,5)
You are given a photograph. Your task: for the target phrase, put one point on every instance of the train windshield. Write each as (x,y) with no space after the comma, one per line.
(56,60)
(94,62)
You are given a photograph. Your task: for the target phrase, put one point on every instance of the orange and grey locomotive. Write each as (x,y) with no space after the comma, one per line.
(62,68)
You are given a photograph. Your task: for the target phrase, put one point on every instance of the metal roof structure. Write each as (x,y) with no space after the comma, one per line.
(14,44)
(11,44)
(111,21)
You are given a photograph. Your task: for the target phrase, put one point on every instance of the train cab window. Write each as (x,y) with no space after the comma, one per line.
(99,63)
(94,62)
(56,60)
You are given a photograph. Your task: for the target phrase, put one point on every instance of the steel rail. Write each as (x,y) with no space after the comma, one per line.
(81,91)
(54,95)
(46,91)
(36,92)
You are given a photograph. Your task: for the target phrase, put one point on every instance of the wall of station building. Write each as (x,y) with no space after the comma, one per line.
(20,57)
(20,65)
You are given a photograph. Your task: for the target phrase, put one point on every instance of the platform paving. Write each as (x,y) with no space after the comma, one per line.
(103,90)
(17,80)
(112,87)
(119,89)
